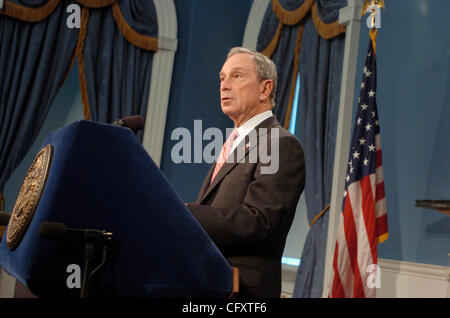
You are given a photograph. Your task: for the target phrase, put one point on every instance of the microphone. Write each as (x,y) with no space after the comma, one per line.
(57,231)
(135,123)
(4,218)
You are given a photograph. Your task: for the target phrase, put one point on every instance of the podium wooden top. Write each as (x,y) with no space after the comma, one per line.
(442,206)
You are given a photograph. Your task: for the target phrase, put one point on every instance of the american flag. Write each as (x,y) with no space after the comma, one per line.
(363,221)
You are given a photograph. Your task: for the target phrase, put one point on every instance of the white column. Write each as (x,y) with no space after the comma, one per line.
(7,285)
(254,21)
(158,102)
(349,16)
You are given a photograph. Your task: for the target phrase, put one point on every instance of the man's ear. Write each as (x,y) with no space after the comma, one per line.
(267,87)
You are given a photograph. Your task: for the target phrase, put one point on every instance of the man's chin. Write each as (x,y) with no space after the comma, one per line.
(227,110)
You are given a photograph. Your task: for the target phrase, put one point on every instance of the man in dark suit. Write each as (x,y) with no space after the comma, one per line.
(247,203)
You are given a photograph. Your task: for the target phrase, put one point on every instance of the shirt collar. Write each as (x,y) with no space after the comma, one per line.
(250,124)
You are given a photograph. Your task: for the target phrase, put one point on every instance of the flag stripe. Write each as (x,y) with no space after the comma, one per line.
(346,277)
(368,209)
(379,192)
(377,142)
(379,174)
(380,208)
(342,257)
(378,159)
(382,223)
(351,238)
(338,288)
(358,193)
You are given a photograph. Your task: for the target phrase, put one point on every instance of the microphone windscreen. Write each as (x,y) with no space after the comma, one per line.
(52,230)
(4,218)
(135,123)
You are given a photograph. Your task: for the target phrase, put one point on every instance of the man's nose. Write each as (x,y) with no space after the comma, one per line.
(224,85)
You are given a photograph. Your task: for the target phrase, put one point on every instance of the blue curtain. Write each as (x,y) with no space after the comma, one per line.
(117,71)
(304,36)
(320,71)
(283,56)
(115,45)
(34,59)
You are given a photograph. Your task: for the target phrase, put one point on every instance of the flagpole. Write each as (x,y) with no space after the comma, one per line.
(351,17)
(373,36)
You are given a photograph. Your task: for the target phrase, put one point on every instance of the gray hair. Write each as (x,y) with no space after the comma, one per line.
(265,68)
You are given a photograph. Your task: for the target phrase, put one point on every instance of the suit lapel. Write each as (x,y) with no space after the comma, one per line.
(205,184)
(231,162)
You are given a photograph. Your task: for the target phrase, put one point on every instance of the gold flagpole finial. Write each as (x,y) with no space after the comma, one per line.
(367,3)
(374,20)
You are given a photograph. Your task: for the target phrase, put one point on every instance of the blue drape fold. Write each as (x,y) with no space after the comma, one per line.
(117,72)
(140,16)
(30,3)
(268,29)
(36,51)
(34,59)
(328,10)
(283,57)
(320,73)
(291,4)
(280,38)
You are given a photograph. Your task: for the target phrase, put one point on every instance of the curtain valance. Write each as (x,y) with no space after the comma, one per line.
(136,20)
(284,23)
(114,43)
(325,14)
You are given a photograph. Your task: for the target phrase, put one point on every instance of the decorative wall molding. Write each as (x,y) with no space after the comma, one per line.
(158,102)
(398,279)
(288,277)
(7,284)
(254,22)
(401,279)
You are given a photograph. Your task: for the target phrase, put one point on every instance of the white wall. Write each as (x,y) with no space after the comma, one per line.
(398,279)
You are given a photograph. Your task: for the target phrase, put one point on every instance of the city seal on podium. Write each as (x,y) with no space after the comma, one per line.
(29,197)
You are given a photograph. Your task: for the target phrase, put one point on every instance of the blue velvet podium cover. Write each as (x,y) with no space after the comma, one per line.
(102,178)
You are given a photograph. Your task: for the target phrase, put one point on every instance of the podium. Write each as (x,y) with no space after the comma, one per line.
(100,177)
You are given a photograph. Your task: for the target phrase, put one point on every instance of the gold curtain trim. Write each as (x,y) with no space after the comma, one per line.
(2,202)
(2,208)
(268,51)
(319,215)
(326,30)
(291,17)
(37,14)
(81,68)
(29,14)
(298,46)
(96,3)
(142,41)
(23,13)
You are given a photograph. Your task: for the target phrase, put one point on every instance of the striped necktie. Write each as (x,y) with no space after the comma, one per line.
(225,152)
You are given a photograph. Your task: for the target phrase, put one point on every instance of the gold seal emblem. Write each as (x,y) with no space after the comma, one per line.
(29,197)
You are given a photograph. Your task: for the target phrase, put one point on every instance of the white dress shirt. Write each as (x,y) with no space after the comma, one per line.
(250,124)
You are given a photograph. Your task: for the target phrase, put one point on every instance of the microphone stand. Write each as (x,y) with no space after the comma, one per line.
(89,254)
(93,241)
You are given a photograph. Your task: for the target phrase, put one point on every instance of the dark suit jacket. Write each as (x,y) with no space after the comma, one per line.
(248,213)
